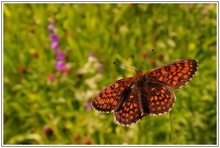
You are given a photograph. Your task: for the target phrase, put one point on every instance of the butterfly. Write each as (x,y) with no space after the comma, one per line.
(148,93)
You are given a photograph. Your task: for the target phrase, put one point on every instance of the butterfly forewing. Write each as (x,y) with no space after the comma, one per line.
(174,74)
(109,99)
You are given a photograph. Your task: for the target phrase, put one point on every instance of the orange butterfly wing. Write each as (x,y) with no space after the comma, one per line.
(174,75)
(151,98)
(110,98)
(130,110)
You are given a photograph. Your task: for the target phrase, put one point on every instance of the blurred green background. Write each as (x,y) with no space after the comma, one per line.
(43,105)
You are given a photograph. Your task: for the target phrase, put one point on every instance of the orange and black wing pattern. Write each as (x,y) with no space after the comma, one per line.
(130,110)
(156,99)
(109,99)
(173,75)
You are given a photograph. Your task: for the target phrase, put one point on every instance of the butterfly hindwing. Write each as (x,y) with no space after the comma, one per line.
(130,110)
(156,99)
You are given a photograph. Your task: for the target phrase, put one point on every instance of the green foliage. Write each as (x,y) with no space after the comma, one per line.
(40,111)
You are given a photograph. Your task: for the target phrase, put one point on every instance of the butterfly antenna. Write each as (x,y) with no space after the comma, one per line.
(123,65)
(145,59)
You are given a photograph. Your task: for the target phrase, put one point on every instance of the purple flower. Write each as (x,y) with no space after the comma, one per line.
(60,56)
(50,27)
(88,106)
(53,37)
(60,65)
(54,45)
(100,69)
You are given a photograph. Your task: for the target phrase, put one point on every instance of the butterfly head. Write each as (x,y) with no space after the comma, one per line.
(139,78)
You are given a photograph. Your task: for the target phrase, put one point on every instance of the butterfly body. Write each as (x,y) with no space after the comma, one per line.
(147,93)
